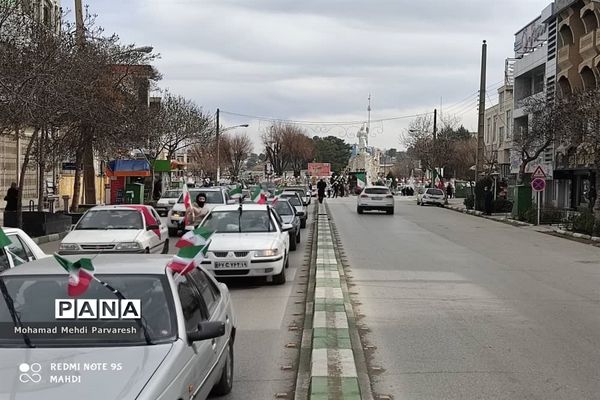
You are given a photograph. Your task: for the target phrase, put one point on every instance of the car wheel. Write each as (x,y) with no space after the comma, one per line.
(390,211)
(165,249)
(303,223)
(298,237)
(279,279)
(293,241)
(359,210)
(147,250)
(173,231)
(225,384)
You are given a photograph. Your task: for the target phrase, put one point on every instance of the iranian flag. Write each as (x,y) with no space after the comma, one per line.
(258,196)
(4,240)
(187,258)
(235,192)
(197,237)
(81,273)
(361,180)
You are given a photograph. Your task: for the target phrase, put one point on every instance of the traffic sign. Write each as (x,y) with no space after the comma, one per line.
(538,185)
(538,173)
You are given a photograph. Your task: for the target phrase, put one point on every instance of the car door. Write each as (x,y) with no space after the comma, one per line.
(201,353)
(283,239)
(151,237)
(217,309)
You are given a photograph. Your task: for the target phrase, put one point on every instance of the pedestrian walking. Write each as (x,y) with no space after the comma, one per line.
(12,197)
(321,185)
(488,197)
(449,190)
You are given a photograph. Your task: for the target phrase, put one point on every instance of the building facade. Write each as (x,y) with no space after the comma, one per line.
(498,132)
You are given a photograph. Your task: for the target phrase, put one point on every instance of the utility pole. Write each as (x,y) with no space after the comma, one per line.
(434,125)
(79,22)
(218,150)
(368,119)
(481,121)
(435,155)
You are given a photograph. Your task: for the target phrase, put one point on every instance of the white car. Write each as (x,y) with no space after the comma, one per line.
(167,201)
(296,200)
(214,196)
(130,228)
(431,196)
(250,240)
(375,198)
(21,250)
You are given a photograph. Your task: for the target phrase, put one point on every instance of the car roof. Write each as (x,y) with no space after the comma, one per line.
(208,189)
(8,230)
(376,187)
(289,193)
(137,207)
(103,264)
(245,206)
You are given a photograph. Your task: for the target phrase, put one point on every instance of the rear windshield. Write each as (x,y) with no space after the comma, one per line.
(435,192)
(377,191)
(282,208)
(292,198)
(212,197)
(27,304)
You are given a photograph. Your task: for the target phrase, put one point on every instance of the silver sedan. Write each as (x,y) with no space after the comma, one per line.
(139,331)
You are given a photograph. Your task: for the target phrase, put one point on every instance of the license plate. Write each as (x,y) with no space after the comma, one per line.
(231,265)
(377,198)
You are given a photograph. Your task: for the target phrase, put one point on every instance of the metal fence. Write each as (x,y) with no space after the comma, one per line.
(561,217)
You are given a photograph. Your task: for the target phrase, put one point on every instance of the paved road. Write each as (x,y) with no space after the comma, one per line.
(460,307)
(264,314)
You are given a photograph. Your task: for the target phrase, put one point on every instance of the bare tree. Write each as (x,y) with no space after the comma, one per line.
(298,148)
(273,140)
(236,151)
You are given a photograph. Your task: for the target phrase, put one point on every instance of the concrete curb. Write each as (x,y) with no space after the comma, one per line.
(49,238)
(333,366)
(509,221)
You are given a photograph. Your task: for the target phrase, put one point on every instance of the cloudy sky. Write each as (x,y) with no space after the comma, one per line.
(318,60)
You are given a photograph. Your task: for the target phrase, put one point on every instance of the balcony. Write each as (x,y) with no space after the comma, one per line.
(587,46)
(564,61)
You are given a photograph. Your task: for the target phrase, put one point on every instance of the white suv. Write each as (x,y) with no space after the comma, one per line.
(431,196)
(375,198)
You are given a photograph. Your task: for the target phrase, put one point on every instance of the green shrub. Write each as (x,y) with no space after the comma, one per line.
(469,202)
(502,206)
(585,223)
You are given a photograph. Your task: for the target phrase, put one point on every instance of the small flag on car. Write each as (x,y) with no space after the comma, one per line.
(4,240)
(188,258)
(258,196)
(197,237)
(235,192)
(81,273)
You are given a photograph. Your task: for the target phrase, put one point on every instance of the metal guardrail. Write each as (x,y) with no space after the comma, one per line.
(563,218)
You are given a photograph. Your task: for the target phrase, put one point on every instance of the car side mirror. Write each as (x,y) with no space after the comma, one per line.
(287,227)
(207,330)
(152,227)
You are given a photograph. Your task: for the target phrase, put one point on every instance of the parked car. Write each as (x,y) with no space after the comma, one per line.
(21,250)
(431,196)
(250,240)
(167,200)
(302,190)
(295,200)
(130,228)
(375,198)
(288,215)
(175,217)
(177,345)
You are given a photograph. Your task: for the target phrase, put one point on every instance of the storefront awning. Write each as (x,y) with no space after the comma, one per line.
(128,168)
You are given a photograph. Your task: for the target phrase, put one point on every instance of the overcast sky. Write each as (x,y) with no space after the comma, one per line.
(317,60)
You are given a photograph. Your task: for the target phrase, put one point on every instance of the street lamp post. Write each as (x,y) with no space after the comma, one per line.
(218,130)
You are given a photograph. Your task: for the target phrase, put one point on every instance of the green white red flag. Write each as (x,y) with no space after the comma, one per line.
(81,273)
(4,240)
(258,196)
(235,192)
(197,237)
(188,258)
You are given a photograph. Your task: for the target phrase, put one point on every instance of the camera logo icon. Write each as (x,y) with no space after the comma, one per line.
(30,373)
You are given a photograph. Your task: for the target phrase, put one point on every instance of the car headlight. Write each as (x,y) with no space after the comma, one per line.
(68,246)
(266,253)
(128,246)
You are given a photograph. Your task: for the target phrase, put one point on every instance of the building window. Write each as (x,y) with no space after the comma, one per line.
(501,99)
(509,123)
(47,14)
(501,135)
(489,128)
(494,129)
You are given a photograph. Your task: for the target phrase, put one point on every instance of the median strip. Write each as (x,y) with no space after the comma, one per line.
(333,368)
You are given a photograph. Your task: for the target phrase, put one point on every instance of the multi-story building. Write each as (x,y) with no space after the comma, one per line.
(498,130)
(578,68)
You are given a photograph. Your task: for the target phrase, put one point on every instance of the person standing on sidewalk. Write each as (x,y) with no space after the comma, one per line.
(449,190)
(12,197)
(488,197)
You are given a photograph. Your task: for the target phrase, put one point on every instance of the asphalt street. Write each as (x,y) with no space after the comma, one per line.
(267,342)
(460,307)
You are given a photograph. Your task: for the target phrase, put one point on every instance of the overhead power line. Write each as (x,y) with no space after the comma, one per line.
(303,122)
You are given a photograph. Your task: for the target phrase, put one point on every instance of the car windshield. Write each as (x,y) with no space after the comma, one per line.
(377,191)
(212,196)
(111,219)
(283,208)
(292,198)
(236,222)
(34,298)
(172,194)
(435,192)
